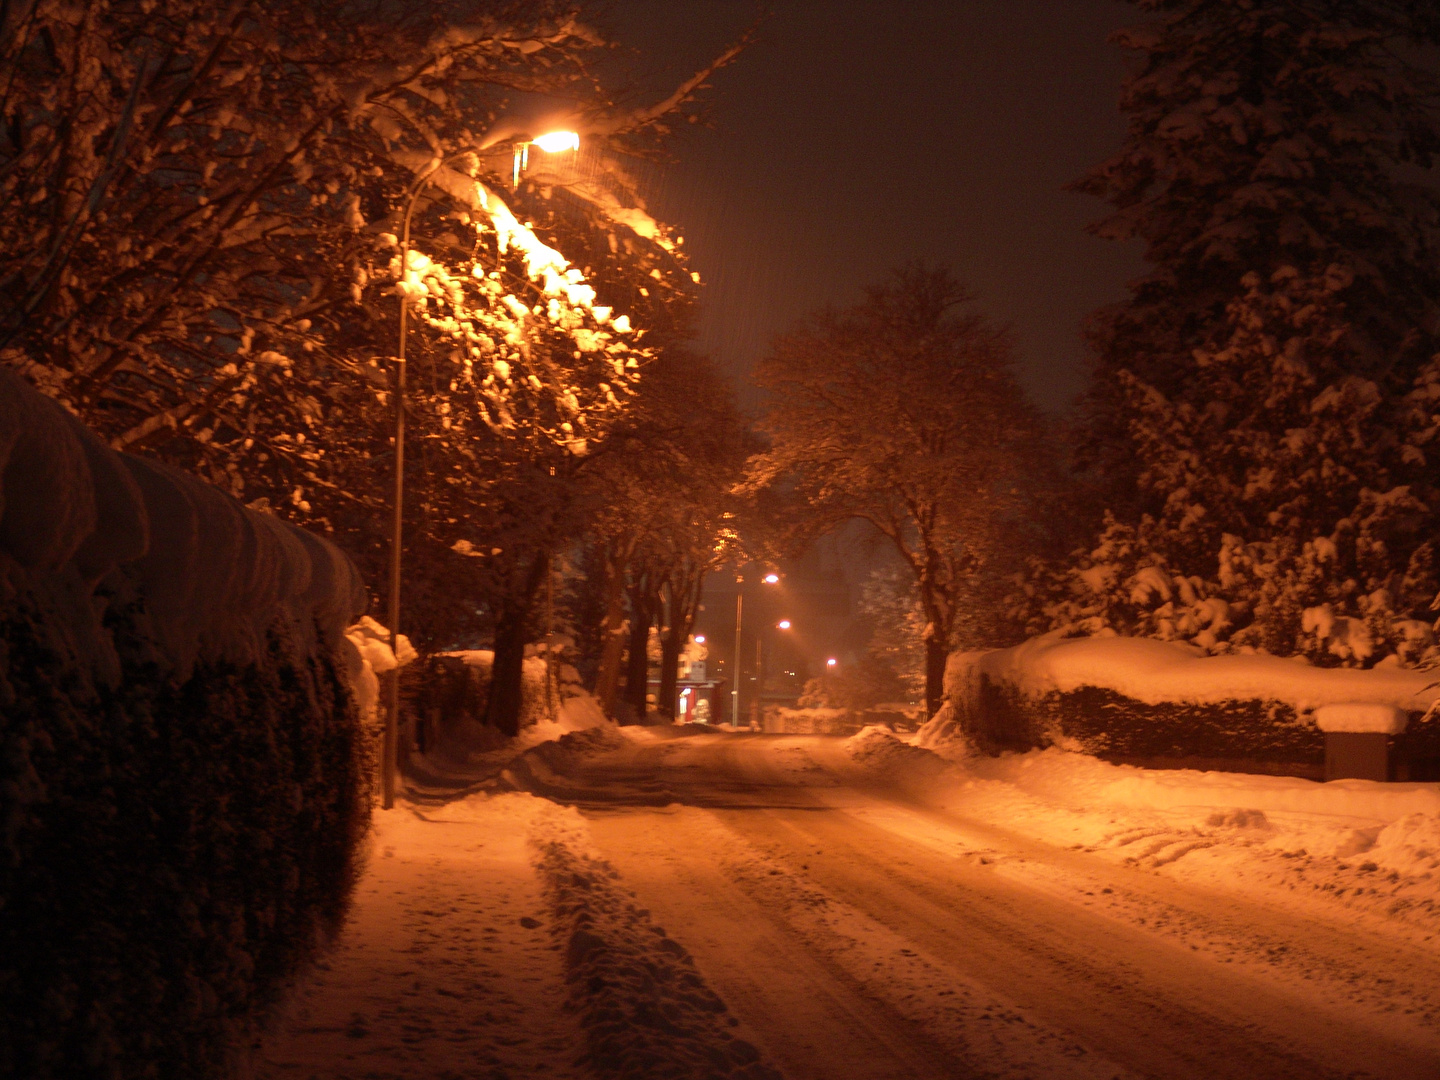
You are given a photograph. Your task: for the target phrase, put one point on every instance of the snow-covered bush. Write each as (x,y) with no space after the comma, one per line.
(812,720)
(183,780)
(447,691)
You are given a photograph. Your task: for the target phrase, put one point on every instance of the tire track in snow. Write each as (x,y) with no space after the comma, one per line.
(1122,986)
(646,1011)
(833,993)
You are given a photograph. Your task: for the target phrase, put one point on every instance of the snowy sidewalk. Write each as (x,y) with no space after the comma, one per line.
(489,941)
(447,969)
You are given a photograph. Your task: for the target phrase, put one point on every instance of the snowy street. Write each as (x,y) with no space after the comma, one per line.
(861,908)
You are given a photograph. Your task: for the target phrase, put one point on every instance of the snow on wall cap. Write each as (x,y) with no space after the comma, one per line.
(1366,717)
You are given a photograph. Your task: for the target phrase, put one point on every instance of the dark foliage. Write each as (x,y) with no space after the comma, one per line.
(173,853)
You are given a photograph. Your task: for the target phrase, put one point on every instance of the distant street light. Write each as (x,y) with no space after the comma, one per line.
(783,624)
(768,579)
(831,662)
(699,639)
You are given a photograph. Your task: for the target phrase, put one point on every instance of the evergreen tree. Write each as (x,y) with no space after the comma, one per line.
(1261,402)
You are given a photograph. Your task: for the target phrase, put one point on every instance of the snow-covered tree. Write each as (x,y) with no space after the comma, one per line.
(889,600)
(903,410)
(203,210)
(1261,403)
(669,480)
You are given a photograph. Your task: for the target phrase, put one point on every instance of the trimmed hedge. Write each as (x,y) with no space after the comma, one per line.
(172,852)
(1240,735)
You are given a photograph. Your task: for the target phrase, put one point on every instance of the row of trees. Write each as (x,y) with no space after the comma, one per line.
(200,211)
(1254,466)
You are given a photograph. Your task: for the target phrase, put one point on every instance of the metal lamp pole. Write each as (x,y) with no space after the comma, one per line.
(735,691)
(390,746)
(552,142)
(768,579)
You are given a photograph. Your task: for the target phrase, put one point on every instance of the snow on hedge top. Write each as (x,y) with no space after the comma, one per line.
(214,575)
(1162,671)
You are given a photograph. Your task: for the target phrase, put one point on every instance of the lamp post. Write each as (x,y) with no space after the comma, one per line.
(759,704)
(768,579)
(390,745)
(560,140)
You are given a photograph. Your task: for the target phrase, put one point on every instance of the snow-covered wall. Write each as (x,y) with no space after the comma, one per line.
(1130,698)
(183,778)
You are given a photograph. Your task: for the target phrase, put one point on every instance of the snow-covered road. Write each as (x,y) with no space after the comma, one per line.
(847,925)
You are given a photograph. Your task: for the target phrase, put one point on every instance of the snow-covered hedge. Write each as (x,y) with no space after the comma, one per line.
(1139,699)
(446,693)
(182,778)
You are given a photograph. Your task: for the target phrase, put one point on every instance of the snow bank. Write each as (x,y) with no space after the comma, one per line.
(1082,780)
(1380,825)
(812,721)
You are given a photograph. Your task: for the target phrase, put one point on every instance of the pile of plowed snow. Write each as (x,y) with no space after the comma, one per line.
(878,750)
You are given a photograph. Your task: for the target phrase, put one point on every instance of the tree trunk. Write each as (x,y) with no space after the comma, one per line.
(669,673)
(507,675)
(936,653)
(607,678)
(637,671)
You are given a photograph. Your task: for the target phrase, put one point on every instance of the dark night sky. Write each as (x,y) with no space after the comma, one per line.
(852,136)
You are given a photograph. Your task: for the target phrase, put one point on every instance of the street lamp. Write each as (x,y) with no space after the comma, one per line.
(390,744)
(759,704)
(768,579)
(552,142)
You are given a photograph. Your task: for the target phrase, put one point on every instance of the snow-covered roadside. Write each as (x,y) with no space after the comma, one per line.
(489,939)
(477,760)
(1373,848)
(447,965)
(646,1010)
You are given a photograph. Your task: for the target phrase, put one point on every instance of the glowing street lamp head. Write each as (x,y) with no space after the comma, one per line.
(771,579)
(699,639)
(783,624)
(552,142)
(831,662)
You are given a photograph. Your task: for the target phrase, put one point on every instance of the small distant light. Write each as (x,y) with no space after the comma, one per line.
(553,142)
(771,579)
(831,662)
(783,624)
(699,639)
